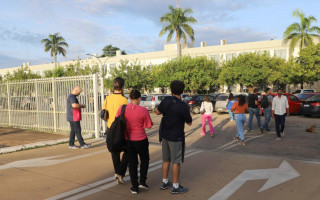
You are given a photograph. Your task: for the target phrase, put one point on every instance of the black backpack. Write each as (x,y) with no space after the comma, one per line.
(115,140)
(264,102)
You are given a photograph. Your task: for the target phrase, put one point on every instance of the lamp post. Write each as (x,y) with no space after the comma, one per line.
(102,86)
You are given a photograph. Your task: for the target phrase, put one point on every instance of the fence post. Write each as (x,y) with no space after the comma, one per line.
(95,103)
(102,101)
(9,103)
(54,104)
(37,103)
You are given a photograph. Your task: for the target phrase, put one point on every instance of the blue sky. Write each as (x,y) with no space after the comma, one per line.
(133,25)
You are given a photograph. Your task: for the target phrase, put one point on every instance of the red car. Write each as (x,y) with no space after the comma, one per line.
(294,102)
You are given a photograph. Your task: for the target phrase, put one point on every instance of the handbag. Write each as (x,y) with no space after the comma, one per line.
(104,115)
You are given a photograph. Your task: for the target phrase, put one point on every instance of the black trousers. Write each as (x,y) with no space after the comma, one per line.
(140,148)
(120,166)
(75,131)
(280,123)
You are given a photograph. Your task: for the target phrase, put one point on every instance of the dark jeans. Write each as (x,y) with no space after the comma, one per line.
(120,166)
(267,117)
(75,131)
(280,122)
(140,148)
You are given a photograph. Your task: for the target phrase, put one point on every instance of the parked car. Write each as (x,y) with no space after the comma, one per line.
(294,103)
(311,106)
(194,102)
(215,95)
(183,96)
(221,104)
(305,96)
(153,101)
(303,91)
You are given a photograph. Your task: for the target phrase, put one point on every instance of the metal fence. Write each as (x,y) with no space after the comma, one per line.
(40,104)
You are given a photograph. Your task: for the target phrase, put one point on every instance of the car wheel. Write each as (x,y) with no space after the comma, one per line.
(196,110)
(307,115)
(219,113)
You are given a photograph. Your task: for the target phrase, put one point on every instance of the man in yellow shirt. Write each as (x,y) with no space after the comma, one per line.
(112,103)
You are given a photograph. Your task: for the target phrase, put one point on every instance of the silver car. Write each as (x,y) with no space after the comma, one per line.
(153,101)
(221,104)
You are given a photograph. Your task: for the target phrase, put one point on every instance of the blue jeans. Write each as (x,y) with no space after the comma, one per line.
(267,117)
(240,121)
(254,111)
(231,114)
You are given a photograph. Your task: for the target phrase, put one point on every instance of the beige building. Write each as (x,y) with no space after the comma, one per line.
(219,53)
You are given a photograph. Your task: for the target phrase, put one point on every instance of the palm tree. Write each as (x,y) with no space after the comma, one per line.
(178,22)
(301,32)
(55,43)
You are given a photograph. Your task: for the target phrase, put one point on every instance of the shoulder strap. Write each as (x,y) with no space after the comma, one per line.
(123,109)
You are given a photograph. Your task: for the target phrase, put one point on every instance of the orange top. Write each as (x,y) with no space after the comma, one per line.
(239,109)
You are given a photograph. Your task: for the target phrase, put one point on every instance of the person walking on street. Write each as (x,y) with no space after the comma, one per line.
(240,108)
(74,117)
(175,114)
(230,102)
(206,111)
(111,104)
(266,103)
(280,109)
(254,110)
(137,119)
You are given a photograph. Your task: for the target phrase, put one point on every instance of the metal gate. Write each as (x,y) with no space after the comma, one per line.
(40,104)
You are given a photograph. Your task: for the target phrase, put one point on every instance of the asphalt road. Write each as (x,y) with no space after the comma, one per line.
(215,168)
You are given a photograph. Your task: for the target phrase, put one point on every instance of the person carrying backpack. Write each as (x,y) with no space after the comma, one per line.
(137,120)
(112,103)
(265,104)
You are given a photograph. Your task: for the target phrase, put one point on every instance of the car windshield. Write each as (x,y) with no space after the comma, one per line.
(314,98)
(143,98)
(149,98)
(307,91)
(160,98)
(304,96)
(188,98)
(222,98)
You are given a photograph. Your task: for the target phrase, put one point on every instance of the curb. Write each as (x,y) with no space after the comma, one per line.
(38,144)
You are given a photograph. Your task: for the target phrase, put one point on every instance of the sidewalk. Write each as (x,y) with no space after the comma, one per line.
(13,139)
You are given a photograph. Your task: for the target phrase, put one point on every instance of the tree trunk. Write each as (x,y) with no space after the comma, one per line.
(55,60)
(301,84)
(178,45)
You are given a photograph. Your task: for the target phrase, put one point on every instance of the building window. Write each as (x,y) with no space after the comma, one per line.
(230,56)
(282,53)
(216,57)
(264,51)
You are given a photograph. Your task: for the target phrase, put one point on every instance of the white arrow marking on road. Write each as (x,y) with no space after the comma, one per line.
(45,161)
(275,177)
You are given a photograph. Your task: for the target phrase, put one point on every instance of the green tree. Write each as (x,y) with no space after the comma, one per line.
(254,70)
(110,51)
(135,75)
(23,73)
(178,22)
(307,66)
(55,44)
(302,31)
(197,73)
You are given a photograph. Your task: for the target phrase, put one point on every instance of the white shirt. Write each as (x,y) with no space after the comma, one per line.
(279,105)
(207,107)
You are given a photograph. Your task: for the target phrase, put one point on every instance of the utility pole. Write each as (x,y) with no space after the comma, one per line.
(178,4)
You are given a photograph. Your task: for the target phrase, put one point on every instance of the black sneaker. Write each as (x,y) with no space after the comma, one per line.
(85,146)
(261,129)
(165,186)
(143,186)
(134,190)
(73,147)
(179,190)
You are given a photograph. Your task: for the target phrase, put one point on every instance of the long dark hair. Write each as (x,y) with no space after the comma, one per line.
(242,100)
(231,97)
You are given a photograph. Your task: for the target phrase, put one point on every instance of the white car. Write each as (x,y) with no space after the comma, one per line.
(304,91)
